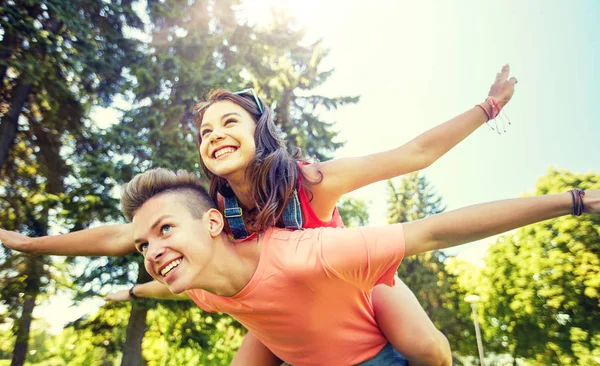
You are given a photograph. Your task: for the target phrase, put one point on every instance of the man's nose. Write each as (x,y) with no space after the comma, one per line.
(155,252)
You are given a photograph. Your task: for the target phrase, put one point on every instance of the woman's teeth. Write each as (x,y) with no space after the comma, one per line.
(223,151)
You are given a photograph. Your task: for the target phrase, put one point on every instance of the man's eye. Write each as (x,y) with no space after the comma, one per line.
(165,229)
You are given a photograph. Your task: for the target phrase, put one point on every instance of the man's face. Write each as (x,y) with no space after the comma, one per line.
(176,246)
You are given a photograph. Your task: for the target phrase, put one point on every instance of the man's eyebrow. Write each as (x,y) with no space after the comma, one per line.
(139,240)
(223,117)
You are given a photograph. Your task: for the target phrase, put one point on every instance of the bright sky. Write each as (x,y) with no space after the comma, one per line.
(418,64)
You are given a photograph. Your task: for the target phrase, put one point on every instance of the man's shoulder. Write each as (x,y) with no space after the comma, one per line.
(279,234)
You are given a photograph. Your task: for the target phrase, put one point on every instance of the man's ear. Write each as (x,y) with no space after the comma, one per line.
(214,222)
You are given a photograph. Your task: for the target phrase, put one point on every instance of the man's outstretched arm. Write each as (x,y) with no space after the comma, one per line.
(484,220)
(152,290)
(110,240)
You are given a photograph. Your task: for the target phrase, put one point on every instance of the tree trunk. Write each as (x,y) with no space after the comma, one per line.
(10,122)
(23,325)
(132,348)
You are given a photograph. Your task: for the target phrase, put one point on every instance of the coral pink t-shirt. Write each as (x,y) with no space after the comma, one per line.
(309,300)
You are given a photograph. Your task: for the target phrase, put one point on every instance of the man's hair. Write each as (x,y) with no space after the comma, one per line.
(159,181)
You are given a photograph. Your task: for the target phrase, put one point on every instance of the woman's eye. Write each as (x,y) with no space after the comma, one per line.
(229,121)
(165,229)
(204,133)
(143,247)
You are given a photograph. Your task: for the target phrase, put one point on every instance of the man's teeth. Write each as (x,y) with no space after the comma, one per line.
(171,265)
(225,150)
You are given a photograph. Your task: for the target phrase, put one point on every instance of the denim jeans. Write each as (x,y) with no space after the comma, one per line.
(386,357)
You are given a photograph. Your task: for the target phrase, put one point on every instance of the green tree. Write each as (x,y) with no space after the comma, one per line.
(56,59)
(24,206)
(196,46)
(286,69)
(354,212)
(467,279)
(544,283)
(185,334)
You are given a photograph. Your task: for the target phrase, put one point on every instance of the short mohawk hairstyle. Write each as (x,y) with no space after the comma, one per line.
(157,181)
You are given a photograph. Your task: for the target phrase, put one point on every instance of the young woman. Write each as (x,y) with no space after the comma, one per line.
(258,184)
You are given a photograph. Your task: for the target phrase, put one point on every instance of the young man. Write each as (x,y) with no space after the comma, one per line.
(304,294)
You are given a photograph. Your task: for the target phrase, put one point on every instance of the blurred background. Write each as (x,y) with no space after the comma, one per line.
(96,91)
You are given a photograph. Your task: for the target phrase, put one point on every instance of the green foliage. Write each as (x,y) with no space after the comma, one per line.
(543,284)
(286,70)
(412,199)
(186,334)
(7,339)
(64,57)
(467,279)
(56,59)
(354,212)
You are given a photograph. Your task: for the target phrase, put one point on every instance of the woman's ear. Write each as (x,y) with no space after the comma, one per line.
(214,221)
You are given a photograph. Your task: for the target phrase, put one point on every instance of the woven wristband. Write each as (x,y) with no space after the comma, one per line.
(495,106)
(577,201)
(484,111)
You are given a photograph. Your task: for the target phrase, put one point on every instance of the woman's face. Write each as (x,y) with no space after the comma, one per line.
(227,143)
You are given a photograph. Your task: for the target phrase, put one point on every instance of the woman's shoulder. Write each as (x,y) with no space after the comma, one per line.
(310,171)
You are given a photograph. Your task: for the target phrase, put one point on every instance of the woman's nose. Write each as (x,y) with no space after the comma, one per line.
(216,135)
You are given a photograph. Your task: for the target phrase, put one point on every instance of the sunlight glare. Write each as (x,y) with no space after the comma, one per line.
(260,12)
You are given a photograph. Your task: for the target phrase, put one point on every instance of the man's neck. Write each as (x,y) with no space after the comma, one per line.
(236,265)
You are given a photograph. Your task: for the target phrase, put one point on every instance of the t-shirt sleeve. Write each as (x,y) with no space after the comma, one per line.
(364,256)
(198,296)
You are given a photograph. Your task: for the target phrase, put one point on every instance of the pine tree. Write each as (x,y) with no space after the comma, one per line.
(195,47)
(354,212)
(56,59)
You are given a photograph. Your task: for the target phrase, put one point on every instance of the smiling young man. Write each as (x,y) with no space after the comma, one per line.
(287,287)
(276,285)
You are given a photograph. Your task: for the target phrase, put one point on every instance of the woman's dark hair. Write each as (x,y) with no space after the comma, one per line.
(274,171)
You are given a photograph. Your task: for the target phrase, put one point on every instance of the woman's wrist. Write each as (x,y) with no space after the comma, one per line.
(485,109)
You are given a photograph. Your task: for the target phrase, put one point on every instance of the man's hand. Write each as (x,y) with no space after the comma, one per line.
(119,296)
(591,201)
(16,241)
